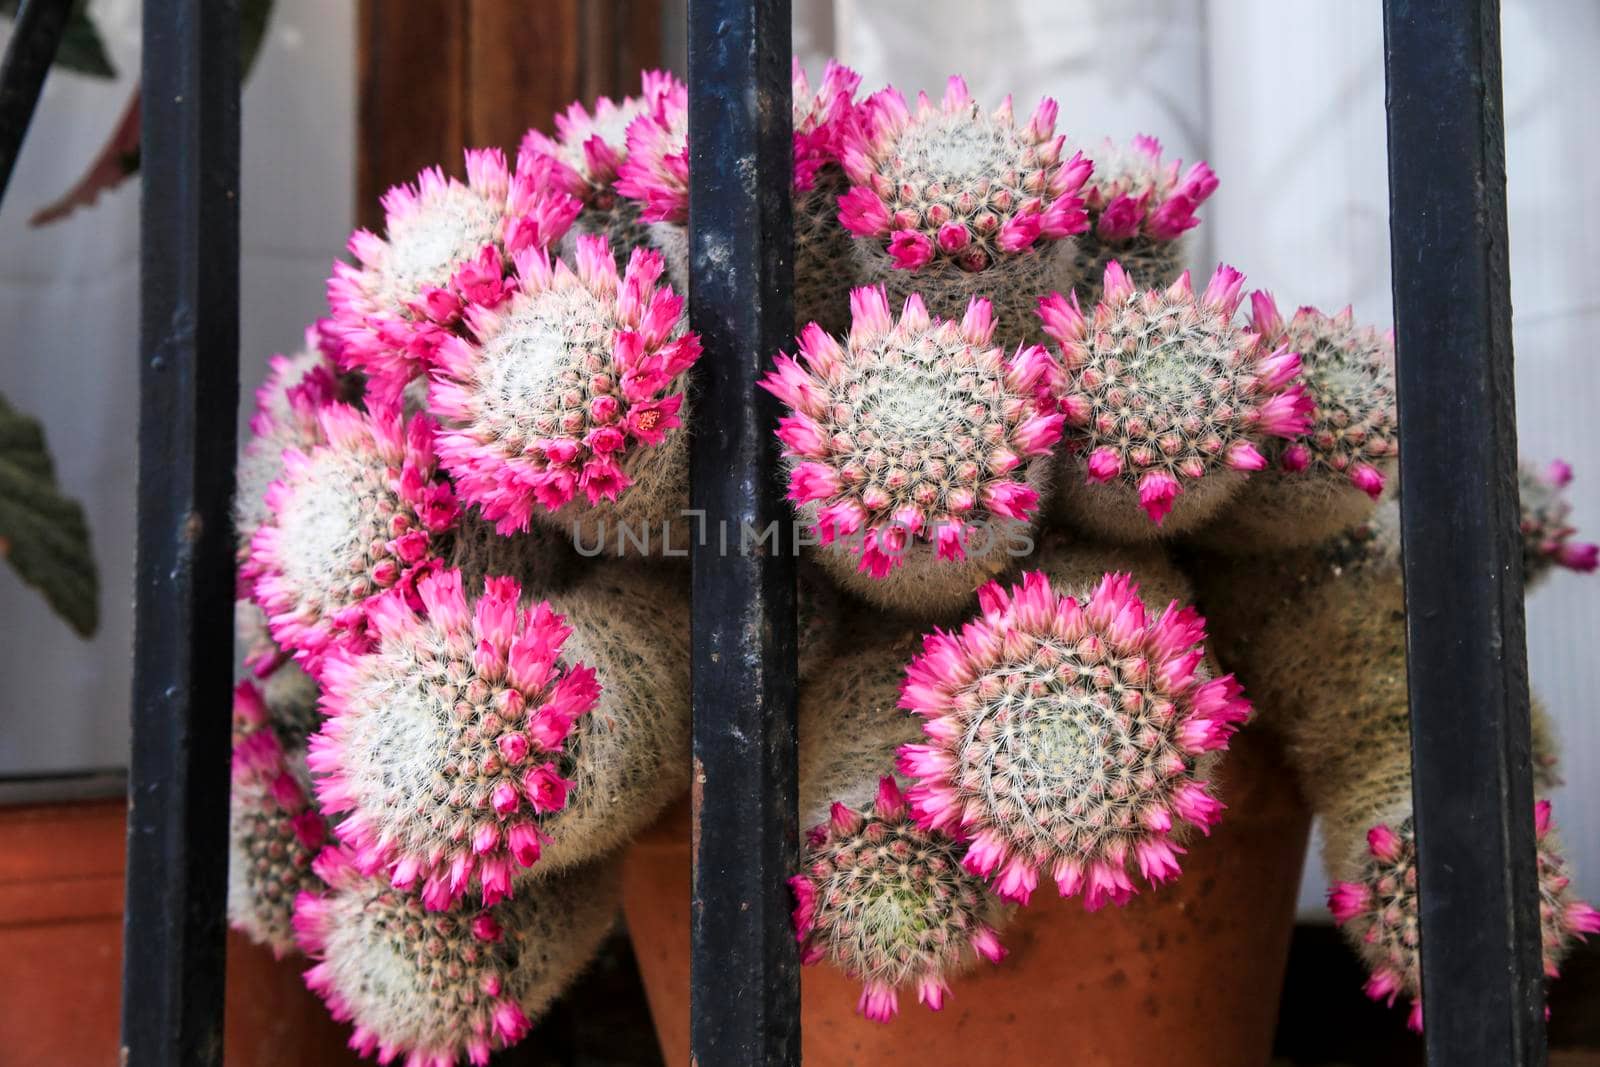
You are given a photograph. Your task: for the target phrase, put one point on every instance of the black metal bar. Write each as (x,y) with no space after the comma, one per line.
(173,944)
(1467,660)
(35,38)
(744,996)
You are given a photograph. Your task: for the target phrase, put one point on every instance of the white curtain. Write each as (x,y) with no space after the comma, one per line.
(69,302)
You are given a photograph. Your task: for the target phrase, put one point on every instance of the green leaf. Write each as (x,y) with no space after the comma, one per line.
(253,18)
(42,532)
(81,50)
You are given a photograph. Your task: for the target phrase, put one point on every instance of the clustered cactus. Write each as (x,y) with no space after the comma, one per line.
(448,244)
(908,441)
(586,156)
(1168,403)
(1323,480)
(1139,208)
(352,517)
(1546,527)
(1069,735)
(950,202)
(889,903)
(565,388)
(1322,633)
(437,985)
(1009,420)
(445,744)
(1378,909)
(274,830)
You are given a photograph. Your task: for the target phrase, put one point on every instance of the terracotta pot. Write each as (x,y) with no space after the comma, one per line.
(61,873)
(1188,974)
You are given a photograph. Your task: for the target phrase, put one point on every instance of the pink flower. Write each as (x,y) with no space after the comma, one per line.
(510,454)
(910,250)
(1384,843)
(969,232)
(1347,900)
(962,686)
(1244,457)
(1157,491)
(365,504)
(855,860)
(484,816)
(941,483)
(443,237)
(1578,556)
(878,1002)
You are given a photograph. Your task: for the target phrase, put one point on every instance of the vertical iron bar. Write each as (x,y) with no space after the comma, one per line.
(744,996)
(35,38)
(1466,654)
(173,946)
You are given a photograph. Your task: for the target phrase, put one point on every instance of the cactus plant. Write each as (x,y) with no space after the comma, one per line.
(434,986)
(573,386)
(877,896)
(1378,906)
(446,746)
(909,440)
(656,175)
(274,832)
(1329,478)
(351,517)
(1327,660)
(1139,209)
(1546,529)
(889,903)
(629,756)
(823,255)
(1069,733)
(953,203)
(586,154)
(296,388)
(448,244)
(1167,402)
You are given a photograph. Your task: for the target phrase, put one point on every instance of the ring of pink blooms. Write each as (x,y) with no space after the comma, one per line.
(390,335)
(1553,540)
(310,618)
(633,404)
(1262,393)
(1389,883)
(823,471)
(967,228)
(821,118)
(523,702)
(879,1000)
(500,1020)
(288,405)
(949,685)
(313,372)
(258,758)
(1354,459)
(583,161)
(655,172)
(1155,202)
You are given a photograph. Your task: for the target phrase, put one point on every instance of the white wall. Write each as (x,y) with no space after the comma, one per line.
(69,308)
